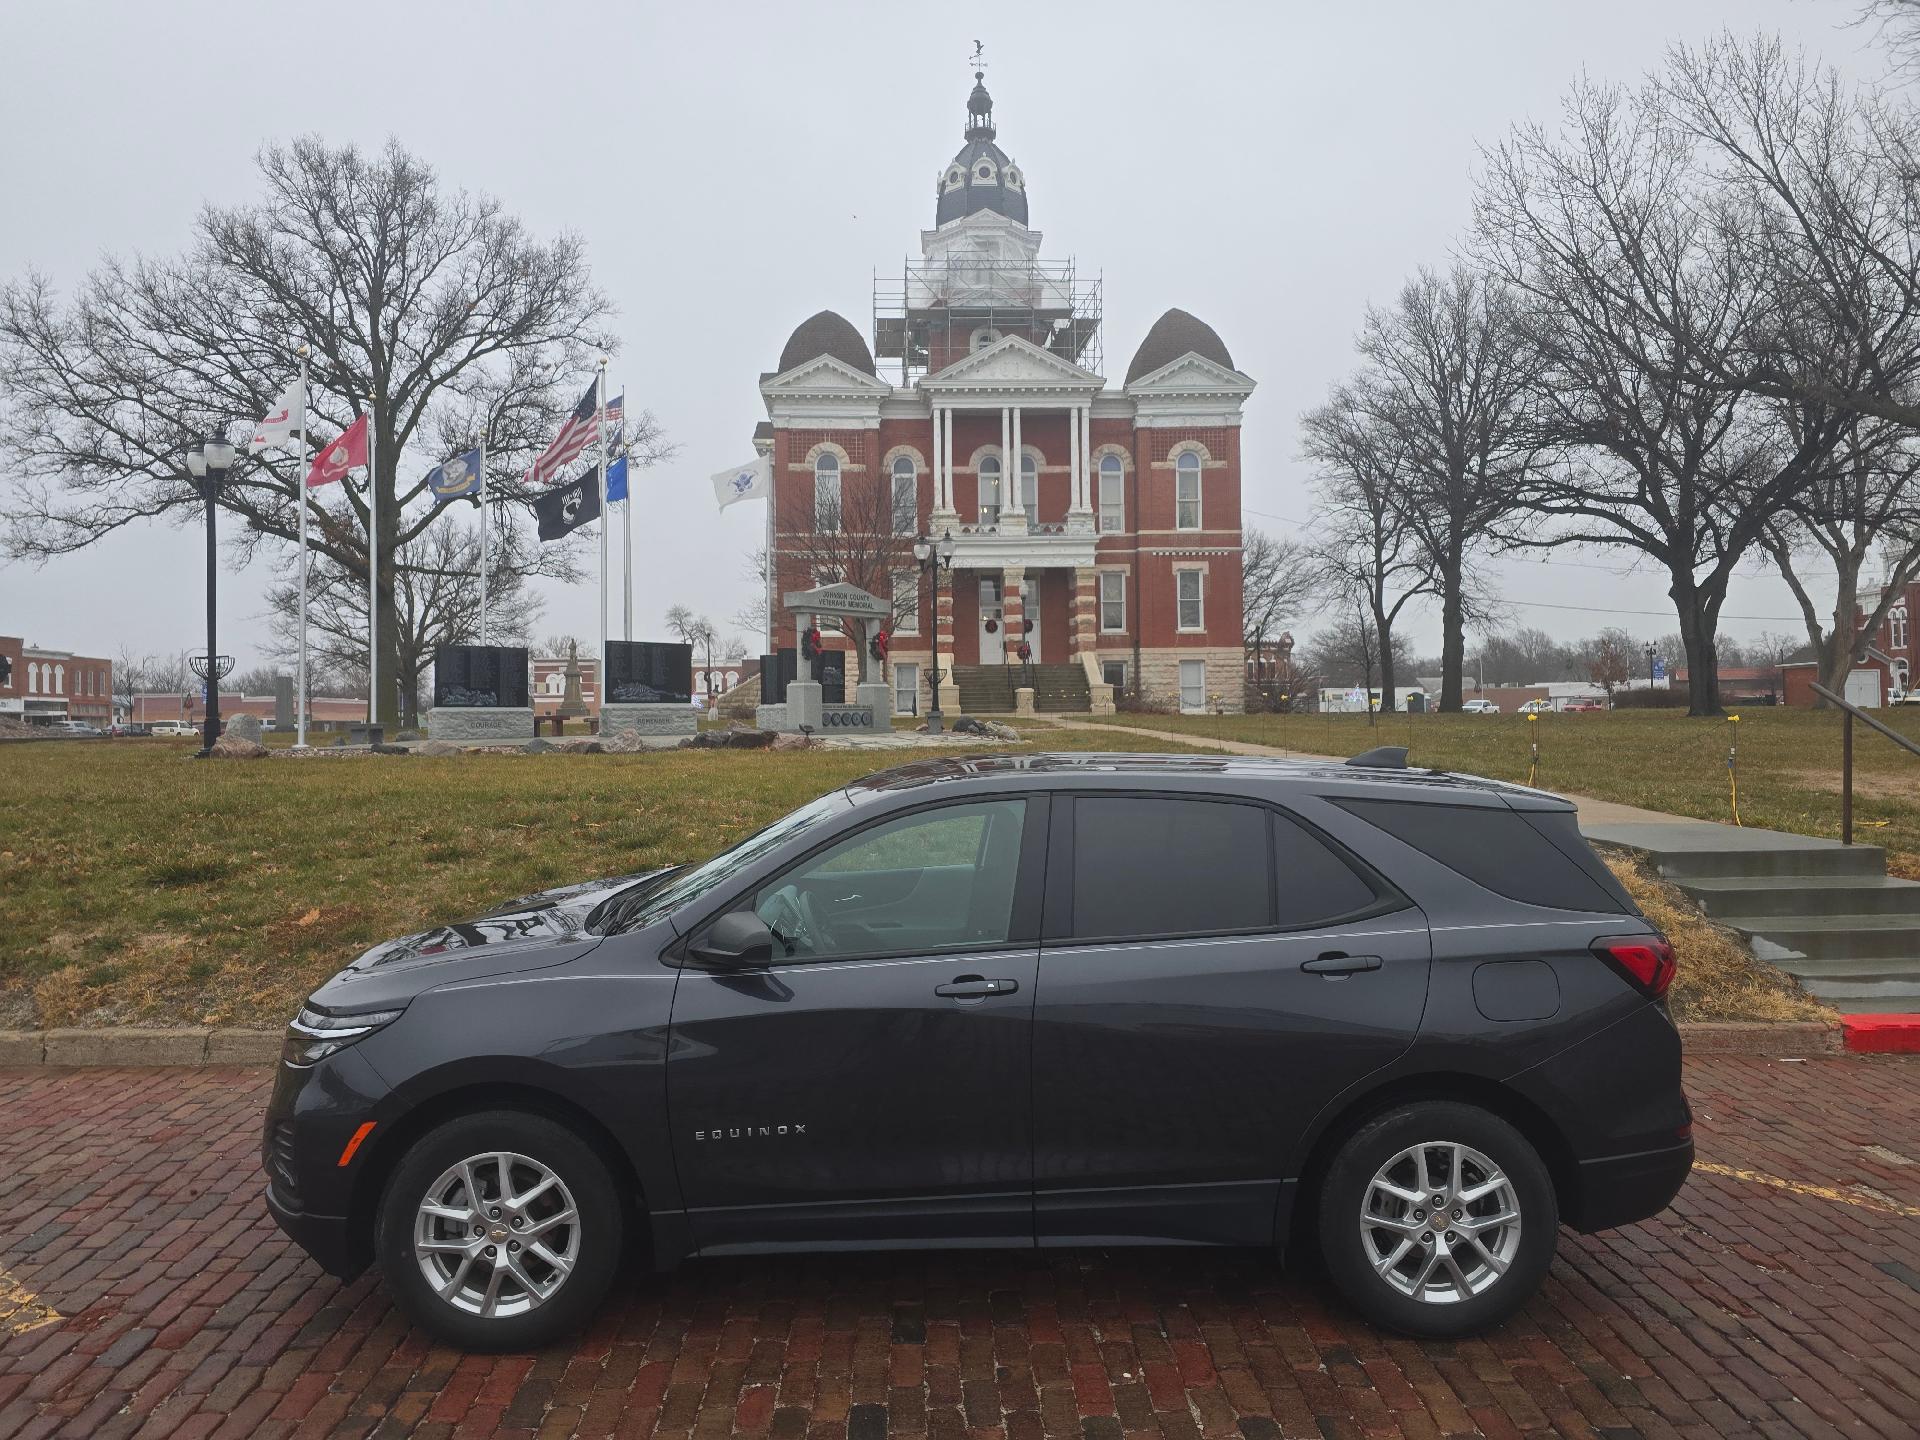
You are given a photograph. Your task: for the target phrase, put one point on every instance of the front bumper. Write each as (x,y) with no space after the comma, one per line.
(1621,1189)
(313,1113)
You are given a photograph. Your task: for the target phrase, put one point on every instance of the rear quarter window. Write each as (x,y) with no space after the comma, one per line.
(1500,850)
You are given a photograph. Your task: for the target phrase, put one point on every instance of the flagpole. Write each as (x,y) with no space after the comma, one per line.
(300,494)
(485,538)
(373,568)
(626,528)
(600,424)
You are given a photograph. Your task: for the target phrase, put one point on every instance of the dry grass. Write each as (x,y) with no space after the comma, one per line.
(1718,977)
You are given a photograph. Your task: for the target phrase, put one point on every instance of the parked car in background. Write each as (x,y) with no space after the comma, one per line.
(1583,707)
(172,727)
(1537,707)
(1416,1025)
(76,730)
(1904,697)
(1479,707)
(131,729)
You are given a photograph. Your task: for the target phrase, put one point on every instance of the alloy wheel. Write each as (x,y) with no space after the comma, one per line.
(1440,1222)
(497,1234)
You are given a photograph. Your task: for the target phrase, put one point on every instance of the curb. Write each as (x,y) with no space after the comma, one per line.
(1737,1037)
(128,1046)
(1882,1034)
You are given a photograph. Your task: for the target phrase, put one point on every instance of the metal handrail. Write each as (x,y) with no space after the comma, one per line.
(1851,712)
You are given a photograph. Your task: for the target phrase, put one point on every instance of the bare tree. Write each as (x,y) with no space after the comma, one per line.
(1366,547)
(1611,665)
(1638,305)
(697,631)
(752,616)
(1445,375)
(432,311)
(854,541)
(436,601)
(130,670)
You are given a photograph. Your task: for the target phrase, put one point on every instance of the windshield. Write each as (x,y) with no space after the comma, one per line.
(691,884)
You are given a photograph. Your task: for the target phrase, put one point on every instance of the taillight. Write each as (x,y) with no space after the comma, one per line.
(1645,961)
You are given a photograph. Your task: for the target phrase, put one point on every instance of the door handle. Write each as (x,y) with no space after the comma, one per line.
(1336,962)
(972,987)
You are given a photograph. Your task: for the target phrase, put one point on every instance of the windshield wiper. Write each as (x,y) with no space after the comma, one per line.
(618,908)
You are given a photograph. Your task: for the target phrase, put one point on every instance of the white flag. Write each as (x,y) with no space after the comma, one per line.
(284,421)
(752,481)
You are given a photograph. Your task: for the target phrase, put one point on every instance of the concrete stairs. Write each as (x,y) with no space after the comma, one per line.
(989,689)
(1826,913)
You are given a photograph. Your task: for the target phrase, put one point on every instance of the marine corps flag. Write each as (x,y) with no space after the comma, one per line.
(565,508)
(347,452)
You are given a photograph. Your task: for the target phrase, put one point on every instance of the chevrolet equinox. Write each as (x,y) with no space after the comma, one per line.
(1403,1019)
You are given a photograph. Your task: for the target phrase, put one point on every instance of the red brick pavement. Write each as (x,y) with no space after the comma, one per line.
(132,1206)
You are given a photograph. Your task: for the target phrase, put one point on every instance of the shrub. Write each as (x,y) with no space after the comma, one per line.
(1672,698)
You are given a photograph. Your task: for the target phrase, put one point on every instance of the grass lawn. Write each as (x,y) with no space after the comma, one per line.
(1789,760)
(141,886)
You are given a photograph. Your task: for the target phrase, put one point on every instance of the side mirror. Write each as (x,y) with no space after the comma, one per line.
(738,940)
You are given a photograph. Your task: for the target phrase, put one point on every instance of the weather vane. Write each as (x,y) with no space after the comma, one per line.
(979,60)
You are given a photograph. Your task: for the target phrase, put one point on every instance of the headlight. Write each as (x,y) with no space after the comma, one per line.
(311,1036)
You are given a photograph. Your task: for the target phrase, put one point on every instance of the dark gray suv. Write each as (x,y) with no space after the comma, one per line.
(1403,1019)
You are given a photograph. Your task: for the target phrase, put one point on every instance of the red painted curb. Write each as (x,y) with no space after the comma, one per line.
(1882,1034)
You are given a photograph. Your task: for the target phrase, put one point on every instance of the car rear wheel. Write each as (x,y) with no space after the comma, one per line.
(500,1230)
(1437,1219)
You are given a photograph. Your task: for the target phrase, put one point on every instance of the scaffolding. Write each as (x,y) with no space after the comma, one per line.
(936,312)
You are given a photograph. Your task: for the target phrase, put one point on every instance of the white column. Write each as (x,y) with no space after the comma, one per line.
(1006,450)
(1018,471)
(938,467)
(1086,455)
(1073,458)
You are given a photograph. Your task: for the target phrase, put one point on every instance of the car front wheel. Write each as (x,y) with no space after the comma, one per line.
(1437,1219)
(500,1230)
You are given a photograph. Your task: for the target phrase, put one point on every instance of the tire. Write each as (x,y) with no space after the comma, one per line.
(554,1275)
(1451,1282)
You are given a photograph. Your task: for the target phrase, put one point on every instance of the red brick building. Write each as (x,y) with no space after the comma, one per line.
(47,685)
(1100,525)
(1872,682)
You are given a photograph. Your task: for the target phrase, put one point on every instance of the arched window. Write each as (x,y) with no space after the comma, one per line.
(906,496)
(1186,492)
(33,677)
(59,679)
(989,489)
(1113,494)
(983,337)
(826,493)
(1030,488)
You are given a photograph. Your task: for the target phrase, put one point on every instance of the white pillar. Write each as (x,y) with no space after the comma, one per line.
(1086,455)
(946,451)
(938,467)
(1018,474)
(1073,458)
(1006,449)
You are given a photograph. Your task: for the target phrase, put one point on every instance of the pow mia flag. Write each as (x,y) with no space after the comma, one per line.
(565,508)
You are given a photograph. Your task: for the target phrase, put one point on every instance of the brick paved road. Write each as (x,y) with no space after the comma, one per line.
(1780,1297)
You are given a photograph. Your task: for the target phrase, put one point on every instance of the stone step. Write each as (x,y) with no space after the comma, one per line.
(1852,967)
(1867,997)
(1774,862)
(1778,939)
(1810,895)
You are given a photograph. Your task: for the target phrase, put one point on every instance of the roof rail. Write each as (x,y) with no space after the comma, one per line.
(1383,757)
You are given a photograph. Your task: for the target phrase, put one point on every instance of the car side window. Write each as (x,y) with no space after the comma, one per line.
(1146,866)
(935,880)
(1313,885)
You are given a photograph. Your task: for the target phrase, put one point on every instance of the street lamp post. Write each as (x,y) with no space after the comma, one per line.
(209,465)
(1650,653)
(934,556)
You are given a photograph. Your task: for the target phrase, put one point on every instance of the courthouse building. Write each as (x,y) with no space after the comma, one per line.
(1097,525)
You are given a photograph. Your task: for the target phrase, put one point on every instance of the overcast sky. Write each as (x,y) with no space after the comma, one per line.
(1272,167)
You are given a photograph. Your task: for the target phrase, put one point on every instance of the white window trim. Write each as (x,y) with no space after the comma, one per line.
(999,489)
(906,681)
(1180,685)
(1032,509)
(1100,599)
(820,472)
(904,469)
(1199,600)
(1119,506)
(1198,472)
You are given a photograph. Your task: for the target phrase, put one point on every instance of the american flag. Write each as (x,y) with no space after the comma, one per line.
(574,437)
(616,420)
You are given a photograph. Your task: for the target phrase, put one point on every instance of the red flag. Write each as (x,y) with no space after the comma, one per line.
(348,451)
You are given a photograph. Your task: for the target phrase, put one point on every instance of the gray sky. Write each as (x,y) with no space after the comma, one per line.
(1271,167)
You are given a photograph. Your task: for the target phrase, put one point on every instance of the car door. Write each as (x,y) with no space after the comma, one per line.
(1212,971)
(871,1086)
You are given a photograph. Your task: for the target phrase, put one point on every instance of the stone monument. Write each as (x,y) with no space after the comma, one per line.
(480,695)
(572,703)
(806,711)
(648,688)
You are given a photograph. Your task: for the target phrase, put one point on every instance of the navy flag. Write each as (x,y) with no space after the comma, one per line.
(565,508)
(452,479)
